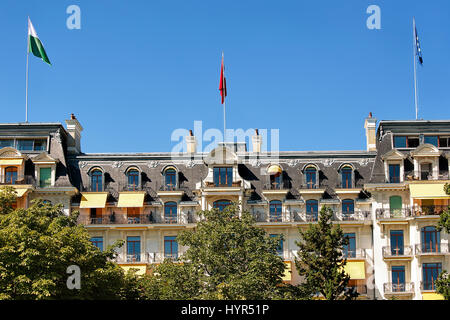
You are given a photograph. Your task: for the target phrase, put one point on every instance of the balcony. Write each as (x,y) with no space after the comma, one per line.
(393,214)
(357,254)
(234,184)
(397,253)
(123,218)
(406,288)
(430,210)
(432,249)
(271,217)
(352,216)
(276,186)
(130,187)
(17,180)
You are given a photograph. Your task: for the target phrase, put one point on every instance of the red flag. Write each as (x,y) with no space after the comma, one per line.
(223,83)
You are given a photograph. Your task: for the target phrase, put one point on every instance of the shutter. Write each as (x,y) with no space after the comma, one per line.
(45,177)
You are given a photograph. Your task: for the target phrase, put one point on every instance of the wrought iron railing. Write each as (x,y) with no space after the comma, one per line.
(430,210)
(432,248)
(358,215)
(276,186)
(354,254)
(401,287)
(391,252)
(386,213)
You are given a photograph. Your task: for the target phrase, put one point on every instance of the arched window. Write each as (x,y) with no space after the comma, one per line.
(346,177)
(221,204)
(348,209)
(96,180)
(133,179)
(170,212)
(312,210)
(170,179)
(275,208)
(310,176)
(11,175)
(431,239)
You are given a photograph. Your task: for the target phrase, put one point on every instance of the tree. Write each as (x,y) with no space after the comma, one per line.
(443,281)
(320,259)
(229,258)
(38,244)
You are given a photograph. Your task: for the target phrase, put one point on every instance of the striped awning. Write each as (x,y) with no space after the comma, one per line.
(274,169)
(93,200)
(428,191)
(131,199)
(356,270)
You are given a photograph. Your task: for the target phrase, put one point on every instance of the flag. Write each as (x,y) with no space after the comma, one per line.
(223,83)
(418,49)
(35,45)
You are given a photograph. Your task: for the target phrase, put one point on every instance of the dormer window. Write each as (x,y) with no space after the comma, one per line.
(311,176)
(406,141)
(276,176)
(426,171)
(96,180)
(394,173)
(170,179)
(133,179)
(45,177)
(11,175)
(223,176)
(346,177)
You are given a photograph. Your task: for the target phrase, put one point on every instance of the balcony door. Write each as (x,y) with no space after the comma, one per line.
(223,176)
(397,243)
(431,239)
(11,175)
(398,278)
(430,272)
(133,249)
(395,206)
(426,171)
(350,248)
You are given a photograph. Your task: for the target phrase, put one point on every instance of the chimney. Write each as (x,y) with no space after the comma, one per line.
(191,143)
(74,129)
(256,142)
(370,125)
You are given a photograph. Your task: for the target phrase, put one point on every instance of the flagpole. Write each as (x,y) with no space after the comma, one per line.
(26,89)
(224,108)
(415,66)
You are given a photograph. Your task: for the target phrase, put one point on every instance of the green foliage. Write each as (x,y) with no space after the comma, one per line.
(39,243)
(8,197)
(443,285)
(228,257)
(320,260)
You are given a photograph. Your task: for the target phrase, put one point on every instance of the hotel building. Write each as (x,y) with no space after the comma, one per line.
(387,198)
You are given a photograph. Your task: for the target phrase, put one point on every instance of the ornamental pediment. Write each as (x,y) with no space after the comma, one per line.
(426,150)
(394,154)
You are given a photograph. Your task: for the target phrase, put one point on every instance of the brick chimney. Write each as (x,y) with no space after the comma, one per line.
(191,143)
(256,142)
(370,124)
(74,129)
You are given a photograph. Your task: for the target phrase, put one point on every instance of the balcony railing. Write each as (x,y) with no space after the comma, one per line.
(386,213)
(352,216)
(130,187)
(123,218)
(276,186)
(311,186)
(355,254)
(430,210)
(391,252)
(432,248)
(19,179)
(360,289)
(169,187)
(234,184)
(392,288)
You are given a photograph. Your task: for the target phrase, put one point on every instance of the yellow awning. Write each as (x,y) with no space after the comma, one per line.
(21,192)
(131,199)
(11,162)
(428,191)
(274,169)
(93,200)
(287,276)
(356,270)
(432,296)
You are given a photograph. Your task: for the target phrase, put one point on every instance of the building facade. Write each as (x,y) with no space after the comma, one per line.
(386,198)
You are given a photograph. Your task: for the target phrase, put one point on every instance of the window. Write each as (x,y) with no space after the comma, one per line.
(430,272)
(398,278)
(6,143)
(40,145)
(431,239)
(350,248)
(406,142)
(395,206)
(426,171)
(280,244)
(444,142)
(133,249)
(223,176)
(275,208)
(25,145)
(97,242)
(346,176)
(11,175)
(221,204)
(45,177)
(170,212)
(348,209)
(394,173)
(276,181)
(312,210)
(170,179)
(397,246)
(431,140)
(96,215)
(133,180)
(133,215)
(96,181)
(310,174)
(170,247)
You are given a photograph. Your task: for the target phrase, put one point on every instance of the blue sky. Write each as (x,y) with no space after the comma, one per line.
(138,69)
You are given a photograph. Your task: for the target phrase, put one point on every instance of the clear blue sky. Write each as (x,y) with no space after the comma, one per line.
(138,69)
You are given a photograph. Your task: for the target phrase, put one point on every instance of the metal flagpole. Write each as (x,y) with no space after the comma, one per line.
(224,98)
(415,66)
(26,90)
